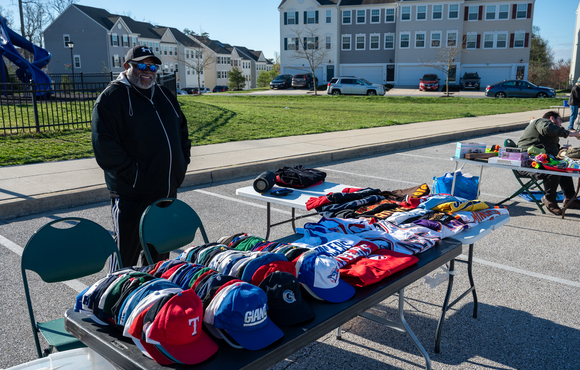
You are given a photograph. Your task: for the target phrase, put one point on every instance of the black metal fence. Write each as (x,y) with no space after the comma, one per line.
(66,103)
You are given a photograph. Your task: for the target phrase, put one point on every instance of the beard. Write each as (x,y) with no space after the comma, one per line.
(134,78)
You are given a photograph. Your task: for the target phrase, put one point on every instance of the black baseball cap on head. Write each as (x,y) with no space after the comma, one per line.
(139,53)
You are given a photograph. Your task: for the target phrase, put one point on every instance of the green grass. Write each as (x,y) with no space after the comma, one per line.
(224,118)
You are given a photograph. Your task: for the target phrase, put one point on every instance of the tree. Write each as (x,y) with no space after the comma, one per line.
(308,46)
(237,79)
(541,59)
(265,77)
(561,74)
(443,61)
(35,14)
(6,13)
(197,60)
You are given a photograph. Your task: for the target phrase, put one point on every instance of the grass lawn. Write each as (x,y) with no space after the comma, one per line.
(222,118)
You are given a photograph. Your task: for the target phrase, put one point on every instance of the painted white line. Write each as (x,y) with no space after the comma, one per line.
(524,272)
(368,176)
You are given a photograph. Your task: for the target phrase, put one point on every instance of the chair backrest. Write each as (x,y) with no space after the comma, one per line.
(509,143)
(169,224)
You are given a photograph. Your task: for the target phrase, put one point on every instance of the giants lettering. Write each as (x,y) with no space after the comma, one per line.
(256,316)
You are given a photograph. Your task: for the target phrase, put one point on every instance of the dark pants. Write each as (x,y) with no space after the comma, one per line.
(126,219)
(551,183)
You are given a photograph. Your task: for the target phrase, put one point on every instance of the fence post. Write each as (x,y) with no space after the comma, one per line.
(34,106)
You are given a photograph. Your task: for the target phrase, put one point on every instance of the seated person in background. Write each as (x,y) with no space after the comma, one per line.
(546,133)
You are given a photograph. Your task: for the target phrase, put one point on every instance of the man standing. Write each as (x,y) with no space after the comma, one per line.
(574,102)
(546,133)
(140,140)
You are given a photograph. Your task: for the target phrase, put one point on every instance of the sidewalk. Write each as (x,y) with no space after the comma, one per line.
(34,188)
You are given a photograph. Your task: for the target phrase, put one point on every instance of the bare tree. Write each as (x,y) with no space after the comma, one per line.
(310,47)
(35,16)
(197,59)
(6,13)
(444,61)
(56,7)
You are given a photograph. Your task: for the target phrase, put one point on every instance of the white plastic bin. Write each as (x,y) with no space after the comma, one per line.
(75,359)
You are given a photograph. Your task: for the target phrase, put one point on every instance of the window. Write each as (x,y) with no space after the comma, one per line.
(114,39)
(421,12)
(404,40)
(437,12)
(471,41)
(291,18)
(134,42)
(329,16)
(473,13)
(116,61)
(311,17)
(346,14)
(519,38)
(150,45)
(389,15)
(157,47)
(435,39)
(503,12)
(406,13)
(389,41)
(77,61)
(346,42)
(175,50)
(66,40)
(165,50)
(488,40)
(522,11)
(361,16)
(490,12)
(451,38)
(311,43)
(125,40)
(360,42)
(501,42)
(453,11)
(328,42)
(419,39)
(170,50)
(375,42)
(375,15)
(166,68)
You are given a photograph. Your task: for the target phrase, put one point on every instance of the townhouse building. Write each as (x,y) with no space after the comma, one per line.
(397,41)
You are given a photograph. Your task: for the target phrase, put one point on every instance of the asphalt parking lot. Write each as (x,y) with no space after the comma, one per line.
(527,275)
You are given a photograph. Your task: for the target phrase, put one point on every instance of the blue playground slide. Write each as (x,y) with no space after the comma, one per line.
(26,70)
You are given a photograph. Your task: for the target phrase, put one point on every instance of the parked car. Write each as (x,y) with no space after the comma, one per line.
(191,90)
(304,80)
(220,88)
(281,81)
(429,82)
(181,92)
(518,89)
(205,90)
(350,85)
(470,81)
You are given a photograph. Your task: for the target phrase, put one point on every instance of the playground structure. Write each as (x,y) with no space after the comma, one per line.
(26,71)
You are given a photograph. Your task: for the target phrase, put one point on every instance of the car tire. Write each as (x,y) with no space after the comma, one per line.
(500,95)
(542,95)
(335,92)
(371,92)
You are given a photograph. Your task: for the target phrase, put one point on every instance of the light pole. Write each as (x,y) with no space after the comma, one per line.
(71,45)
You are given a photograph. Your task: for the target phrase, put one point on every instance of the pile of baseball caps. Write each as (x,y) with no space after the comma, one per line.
(237,293)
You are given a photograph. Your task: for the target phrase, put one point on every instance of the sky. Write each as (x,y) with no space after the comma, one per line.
(255,23)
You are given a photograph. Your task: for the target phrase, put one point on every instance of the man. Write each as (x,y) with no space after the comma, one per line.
(546,133)
(574,102)
(141,142)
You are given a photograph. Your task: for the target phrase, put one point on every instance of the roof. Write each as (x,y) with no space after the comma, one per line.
(213,45)
(321,2)
(183,38)
(365,2)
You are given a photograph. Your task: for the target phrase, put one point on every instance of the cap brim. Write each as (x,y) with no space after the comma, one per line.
(340,293)
(257,339)
(152,352)
(291,315)
(155,59)
(191,353)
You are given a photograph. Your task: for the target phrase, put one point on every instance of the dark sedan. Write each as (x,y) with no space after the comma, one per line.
(518,89)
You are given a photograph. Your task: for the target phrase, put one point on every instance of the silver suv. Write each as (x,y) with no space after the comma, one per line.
(349,85)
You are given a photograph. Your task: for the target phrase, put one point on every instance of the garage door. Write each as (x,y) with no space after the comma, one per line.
(373,74)
(490,75)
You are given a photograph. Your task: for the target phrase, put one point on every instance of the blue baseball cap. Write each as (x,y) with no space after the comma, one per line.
(256,263)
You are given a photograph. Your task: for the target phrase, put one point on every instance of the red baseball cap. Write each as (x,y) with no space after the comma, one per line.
(263,271)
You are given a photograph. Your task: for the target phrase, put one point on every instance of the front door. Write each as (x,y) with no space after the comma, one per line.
(329,72)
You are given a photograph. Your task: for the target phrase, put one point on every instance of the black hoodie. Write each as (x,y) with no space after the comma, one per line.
(141,142)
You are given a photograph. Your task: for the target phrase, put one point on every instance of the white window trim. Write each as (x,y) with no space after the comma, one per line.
(493,40)
(342,37)
(467,40)
(509,8)
(117,37)
(424,39)
(64,38)
(507,39)
(288,18)
(495,12)
(326,42)
(449,11)
(431,39)
(417,13)
(523,32)
(365,16)
(371,16)
(116,57)
(326,16)
(456,37)
(517,11)
(433,12)
(385,41)
(313,17)
(394,15)
(476,13)
(410,14)
(79,59)
(401,38)
(342,17)
(378,43)
(364,36)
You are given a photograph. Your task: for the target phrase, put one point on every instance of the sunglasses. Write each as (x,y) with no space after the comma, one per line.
(144,67)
